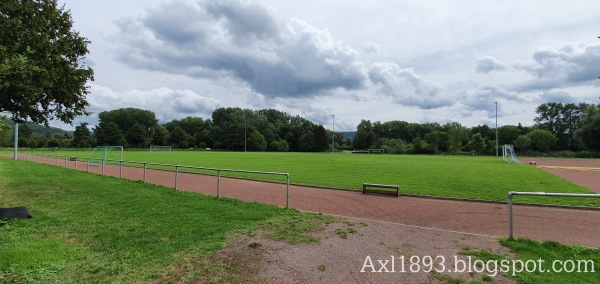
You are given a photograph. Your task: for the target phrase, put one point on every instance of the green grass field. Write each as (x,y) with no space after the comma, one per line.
(484,178)
(94,229)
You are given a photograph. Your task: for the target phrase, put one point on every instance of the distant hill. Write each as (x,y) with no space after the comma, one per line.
(41,129)
(349,134)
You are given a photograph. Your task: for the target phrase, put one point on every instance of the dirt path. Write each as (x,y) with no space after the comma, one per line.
(570,226)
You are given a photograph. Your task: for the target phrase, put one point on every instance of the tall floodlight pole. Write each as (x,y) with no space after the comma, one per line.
(16,157)
(333,134)
(245,131)
(496,128)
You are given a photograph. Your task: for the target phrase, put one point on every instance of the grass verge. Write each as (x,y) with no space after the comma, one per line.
(543,262)
(93,229)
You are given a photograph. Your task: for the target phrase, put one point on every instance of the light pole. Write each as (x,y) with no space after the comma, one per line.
(16,154)
(333,134)
(496,128)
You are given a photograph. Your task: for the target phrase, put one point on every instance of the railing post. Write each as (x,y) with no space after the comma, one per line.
(87,164)
(145,172)
(103,162)
(287,192)
(176,175)
(218,182)
(510,216)
(120,168)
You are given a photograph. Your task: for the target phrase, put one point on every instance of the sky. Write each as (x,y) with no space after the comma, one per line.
(416,61)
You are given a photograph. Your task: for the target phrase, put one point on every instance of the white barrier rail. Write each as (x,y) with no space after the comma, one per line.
(146,164)
(512,193)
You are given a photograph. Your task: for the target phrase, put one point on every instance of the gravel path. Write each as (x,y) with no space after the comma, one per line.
(570,226)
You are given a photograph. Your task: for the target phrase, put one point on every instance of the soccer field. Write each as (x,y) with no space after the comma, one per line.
(472,177)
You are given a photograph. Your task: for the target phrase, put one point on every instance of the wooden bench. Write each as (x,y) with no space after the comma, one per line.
(378,189)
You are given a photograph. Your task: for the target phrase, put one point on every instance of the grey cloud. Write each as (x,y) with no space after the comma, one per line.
(557,97)
(567,65)
(484,98)
(488,64)
(241,40)
(406,87)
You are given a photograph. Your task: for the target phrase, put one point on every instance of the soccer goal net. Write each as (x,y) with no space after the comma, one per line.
(509,155)
(102,153)
(160,148)
(375,151)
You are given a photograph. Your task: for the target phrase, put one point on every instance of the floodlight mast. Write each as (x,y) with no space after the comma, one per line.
(16,155)
(333,134)
(496,128)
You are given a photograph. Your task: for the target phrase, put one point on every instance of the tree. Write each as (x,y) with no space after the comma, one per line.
(477,143)
(561,120)
(109,135)
(364,135)
(523,142)
(589,133)
(126,118)
(42,74)
(82,138)
(542,140)
(179,138)
(256,141)
(279,146)
(136,136)
(507,134)
(161,136)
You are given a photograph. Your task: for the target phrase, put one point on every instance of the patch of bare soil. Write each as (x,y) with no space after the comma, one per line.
(359,251)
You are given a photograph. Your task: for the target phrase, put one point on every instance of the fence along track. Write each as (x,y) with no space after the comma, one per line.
(103,162)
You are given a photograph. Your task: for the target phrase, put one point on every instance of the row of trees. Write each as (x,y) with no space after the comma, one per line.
(228,128)
(557,127)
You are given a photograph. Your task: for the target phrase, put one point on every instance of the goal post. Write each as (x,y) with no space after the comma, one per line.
(154,148)
(375,151)
(509,155)
(103,153)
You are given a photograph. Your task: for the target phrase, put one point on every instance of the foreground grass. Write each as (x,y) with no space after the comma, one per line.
(485,178)
(574,264)
(93,229)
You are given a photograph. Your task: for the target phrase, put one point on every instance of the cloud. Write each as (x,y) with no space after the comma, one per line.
(167,104)
(556,97)
(488,64)
(483,99)
(371,47)
(406,87)
(242,40)
(567,65)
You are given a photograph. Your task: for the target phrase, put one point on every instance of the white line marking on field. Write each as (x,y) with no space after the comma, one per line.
(406,225)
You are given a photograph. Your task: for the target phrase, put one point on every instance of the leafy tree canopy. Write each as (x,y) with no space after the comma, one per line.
(42,74)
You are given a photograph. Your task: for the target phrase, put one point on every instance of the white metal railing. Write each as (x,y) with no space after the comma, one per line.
(512,193)
(146,164)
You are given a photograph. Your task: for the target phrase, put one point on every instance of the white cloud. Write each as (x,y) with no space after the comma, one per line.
(167,104)
(489,64)
(244,41)
(300,56)
(406,87)
(563,66)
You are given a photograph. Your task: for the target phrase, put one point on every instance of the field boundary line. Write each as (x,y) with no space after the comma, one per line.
(405,225)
